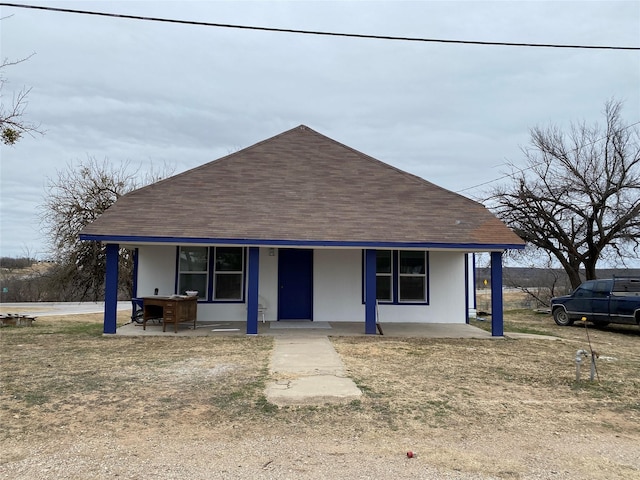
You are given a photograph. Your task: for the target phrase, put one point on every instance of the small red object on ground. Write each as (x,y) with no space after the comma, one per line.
(410,454)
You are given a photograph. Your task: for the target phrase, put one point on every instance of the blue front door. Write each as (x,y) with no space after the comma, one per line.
(295,282)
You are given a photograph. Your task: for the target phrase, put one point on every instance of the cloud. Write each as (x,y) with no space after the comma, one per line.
(154,93)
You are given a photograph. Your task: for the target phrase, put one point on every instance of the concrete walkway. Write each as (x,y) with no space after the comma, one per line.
(306,370)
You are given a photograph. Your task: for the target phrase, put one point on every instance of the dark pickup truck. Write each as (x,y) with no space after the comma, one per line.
(601,302)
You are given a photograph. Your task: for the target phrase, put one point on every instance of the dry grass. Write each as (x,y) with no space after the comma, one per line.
(492,408)
(63,374)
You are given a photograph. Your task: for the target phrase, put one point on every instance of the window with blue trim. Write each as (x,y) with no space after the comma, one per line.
(401,276)
(217,273)
(384,275)
(228,273)
(412,276)
(193,270)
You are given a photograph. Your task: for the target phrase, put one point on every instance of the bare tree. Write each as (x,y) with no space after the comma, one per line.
(79,195)
(543,282)
(579,196)
(13,123)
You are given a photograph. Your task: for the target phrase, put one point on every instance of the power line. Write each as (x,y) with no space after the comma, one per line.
(520,170)
(316,32)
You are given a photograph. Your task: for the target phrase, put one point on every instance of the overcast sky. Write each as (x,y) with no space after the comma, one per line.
(156,93)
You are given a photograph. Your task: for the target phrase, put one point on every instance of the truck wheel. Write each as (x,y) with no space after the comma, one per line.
(561,317)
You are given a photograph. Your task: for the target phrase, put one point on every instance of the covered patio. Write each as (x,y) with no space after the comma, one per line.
(334,329)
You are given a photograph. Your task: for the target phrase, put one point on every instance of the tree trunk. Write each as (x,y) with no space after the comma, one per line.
(590,268)
(572,267)
(574,276)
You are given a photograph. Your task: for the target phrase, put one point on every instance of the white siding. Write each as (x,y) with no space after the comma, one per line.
(337,285)
(446,294)
(156,269)
(222,312)
(447,283)
(268,288)
(471,285)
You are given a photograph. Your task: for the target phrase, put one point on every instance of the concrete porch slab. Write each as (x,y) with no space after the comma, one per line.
(337,329)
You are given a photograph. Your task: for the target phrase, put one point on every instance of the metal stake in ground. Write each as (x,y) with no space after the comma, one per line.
(594,355)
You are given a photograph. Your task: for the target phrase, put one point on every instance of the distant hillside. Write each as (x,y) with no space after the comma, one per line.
(542,277)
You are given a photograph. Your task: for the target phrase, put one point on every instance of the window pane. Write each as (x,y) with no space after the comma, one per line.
(383,261)
(412,262)
(412,289)
(194,259)
(229,259)
(584,292)
(228,286)
(193,281)
(383,287)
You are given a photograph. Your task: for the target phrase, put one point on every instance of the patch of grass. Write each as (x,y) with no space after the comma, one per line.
(89,329)
(598,389)
(386,413)
(32,398)
(514,328)
(520,321)
(631,406)
(242,397)
(366,390)
(519,311)
(483,325)
(264,406)
(440,408)
(92,329)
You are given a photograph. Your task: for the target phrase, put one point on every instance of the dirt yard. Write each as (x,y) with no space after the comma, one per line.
(77,405)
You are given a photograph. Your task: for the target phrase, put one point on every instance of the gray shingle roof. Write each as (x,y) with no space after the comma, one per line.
(301,186)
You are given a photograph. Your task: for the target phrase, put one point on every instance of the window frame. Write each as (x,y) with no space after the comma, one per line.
(386,275)
(201,295)
(209,296)
(422,275)
(217,272)
(395,279)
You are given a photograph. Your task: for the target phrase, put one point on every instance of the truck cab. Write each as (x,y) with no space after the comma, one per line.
(601,302)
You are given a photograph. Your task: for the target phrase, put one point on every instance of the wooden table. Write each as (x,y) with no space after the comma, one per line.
(173,309)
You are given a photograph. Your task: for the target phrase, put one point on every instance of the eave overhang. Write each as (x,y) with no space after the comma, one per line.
(286,243)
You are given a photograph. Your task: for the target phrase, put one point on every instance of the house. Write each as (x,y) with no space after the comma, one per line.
(308,228)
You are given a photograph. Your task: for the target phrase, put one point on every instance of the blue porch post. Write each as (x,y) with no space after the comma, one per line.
(474,286)
(134,292)
(466,285)
(497,327)
(370,292)
(252,293)
(111,288)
